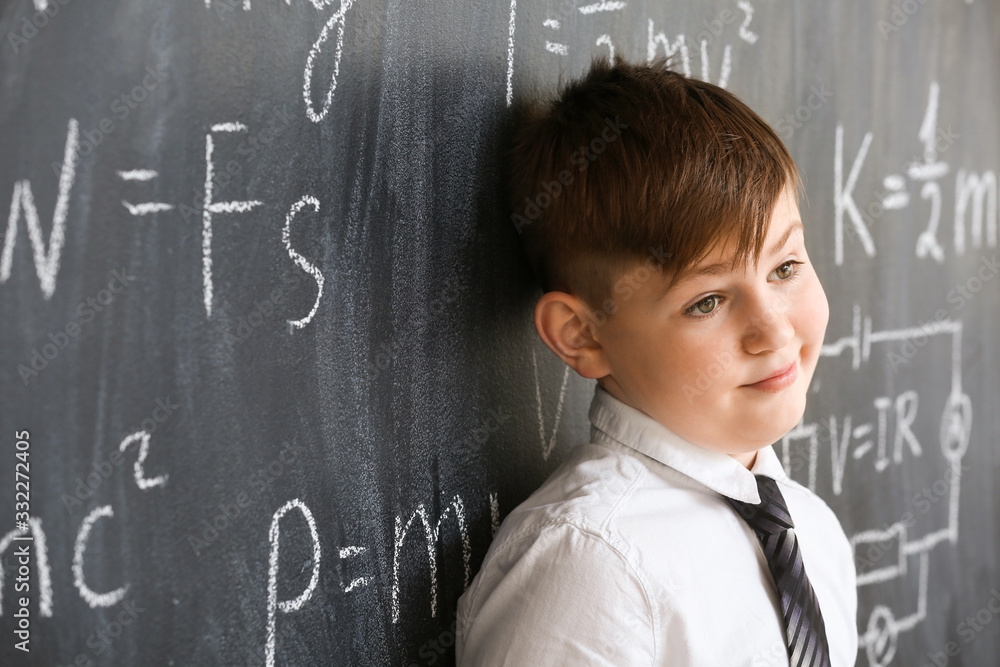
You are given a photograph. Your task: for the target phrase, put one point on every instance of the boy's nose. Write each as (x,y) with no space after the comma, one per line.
(768,325)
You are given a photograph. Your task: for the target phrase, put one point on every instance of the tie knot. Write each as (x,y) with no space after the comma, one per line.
(770,515)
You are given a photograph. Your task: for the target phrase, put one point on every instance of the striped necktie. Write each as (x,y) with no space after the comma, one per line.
(805,632)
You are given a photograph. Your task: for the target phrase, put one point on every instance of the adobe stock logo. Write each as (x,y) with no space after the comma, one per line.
(86,312)
(551,190)
(796,119)
(723,361)
(30,28)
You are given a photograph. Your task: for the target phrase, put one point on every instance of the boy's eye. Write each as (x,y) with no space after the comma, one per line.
(711,301)
(786,273)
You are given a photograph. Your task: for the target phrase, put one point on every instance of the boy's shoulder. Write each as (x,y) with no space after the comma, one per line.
(608,492)
(586,490)
(559,575)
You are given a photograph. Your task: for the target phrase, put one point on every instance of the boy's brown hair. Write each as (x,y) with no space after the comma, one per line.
(637,164)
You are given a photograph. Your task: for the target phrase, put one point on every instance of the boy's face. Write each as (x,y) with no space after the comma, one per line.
(694,375)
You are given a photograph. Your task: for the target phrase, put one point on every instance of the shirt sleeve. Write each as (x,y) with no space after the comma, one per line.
(567,598)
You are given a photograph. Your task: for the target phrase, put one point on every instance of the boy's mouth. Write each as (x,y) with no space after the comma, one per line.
(778,379)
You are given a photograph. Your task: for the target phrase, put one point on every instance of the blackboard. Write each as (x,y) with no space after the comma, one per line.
(265,330)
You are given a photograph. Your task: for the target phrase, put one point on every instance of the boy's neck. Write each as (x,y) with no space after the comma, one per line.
(747,459)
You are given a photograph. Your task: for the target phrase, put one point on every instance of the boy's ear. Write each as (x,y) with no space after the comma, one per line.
(566,325)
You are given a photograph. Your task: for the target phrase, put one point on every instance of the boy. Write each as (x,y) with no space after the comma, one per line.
(674,271)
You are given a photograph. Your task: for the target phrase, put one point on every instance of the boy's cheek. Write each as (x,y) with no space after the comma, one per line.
(818,315)
(813,337)
(824,314)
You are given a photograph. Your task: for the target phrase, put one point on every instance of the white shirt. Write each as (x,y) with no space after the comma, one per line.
(629,555)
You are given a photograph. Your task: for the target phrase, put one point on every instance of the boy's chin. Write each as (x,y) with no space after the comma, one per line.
(776,428)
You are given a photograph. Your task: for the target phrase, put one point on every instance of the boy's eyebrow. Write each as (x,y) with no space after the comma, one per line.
(797,224)
(722,268)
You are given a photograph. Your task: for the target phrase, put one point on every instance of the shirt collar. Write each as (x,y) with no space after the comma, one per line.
(614,419)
